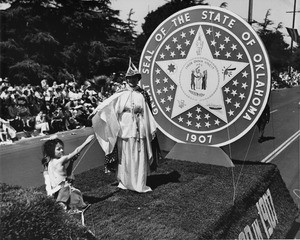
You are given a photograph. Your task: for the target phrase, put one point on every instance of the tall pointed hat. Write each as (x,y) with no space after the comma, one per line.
(132,70)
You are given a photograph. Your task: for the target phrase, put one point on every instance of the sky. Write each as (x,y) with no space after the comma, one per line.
(279,9)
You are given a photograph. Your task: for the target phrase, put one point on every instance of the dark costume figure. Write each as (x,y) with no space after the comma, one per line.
(262,122)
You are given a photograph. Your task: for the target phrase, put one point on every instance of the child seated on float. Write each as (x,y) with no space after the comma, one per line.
(58,173)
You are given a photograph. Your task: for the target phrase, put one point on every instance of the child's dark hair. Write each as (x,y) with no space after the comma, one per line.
(49,150)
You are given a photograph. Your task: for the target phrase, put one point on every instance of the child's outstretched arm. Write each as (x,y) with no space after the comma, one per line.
(79,149)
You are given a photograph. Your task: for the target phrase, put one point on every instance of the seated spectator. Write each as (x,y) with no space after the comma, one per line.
(41,123)
(3,134)
(74,94)
(12,110)
(59,97)
(48,94)
(89,108)
(17,124)
(7,133)
(5,100)
(81,116)
(57,123)
(85,99)
(54,85)
(25,115)
(70,104)
(23,110)
(71,122)
(44,84)
(29,126)
(3,109)
(4,92)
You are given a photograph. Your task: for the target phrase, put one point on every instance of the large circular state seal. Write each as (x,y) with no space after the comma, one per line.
(208,76)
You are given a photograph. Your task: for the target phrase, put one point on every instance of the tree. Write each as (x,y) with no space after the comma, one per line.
(295,60)
(154,18)
(123,45)
(61,38)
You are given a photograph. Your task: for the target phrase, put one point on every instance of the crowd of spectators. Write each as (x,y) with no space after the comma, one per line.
(62,107)
(285,79)
(47,109)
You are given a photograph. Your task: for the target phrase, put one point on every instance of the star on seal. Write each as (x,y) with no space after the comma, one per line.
(198,75)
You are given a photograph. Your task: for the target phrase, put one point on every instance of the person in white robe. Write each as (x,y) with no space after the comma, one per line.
(126,120)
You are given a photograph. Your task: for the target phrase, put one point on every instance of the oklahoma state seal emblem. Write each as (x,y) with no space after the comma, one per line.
(208,76)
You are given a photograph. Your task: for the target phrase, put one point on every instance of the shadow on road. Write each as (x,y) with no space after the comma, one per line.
(264,139)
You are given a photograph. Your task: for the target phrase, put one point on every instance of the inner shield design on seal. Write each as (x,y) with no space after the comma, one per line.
(209,77)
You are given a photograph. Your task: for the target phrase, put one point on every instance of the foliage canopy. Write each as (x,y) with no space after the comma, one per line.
(62,39)
(58,39)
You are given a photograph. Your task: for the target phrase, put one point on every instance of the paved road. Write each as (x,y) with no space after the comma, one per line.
(21,162)
(284,149)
